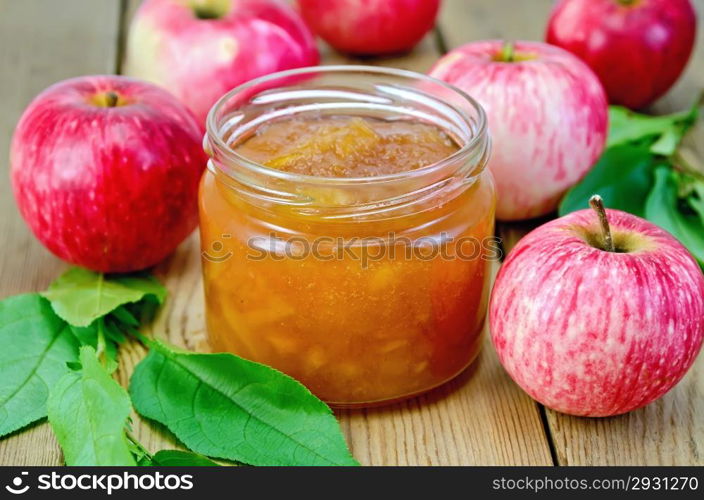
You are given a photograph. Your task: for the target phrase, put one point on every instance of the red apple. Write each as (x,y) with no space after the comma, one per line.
(593,332)
(638,48)
(371,27)
(105,171)
(201,49)
(547,118)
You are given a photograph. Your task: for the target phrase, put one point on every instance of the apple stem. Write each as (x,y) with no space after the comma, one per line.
(111,99)
(598,205)
(507,52)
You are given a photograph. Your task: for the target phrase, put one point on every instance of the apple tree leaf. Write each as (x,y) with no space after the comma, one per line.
(88,412)
(664,209)
(223,406)
(178,458)
(36,347)
(81,296)
(662,133)
(691,188)
(88,336)
(623,177)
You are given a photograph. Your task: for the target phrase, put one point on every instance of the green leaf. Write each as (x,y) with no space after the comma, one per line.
(696,199)
(667,144)
(662,133)
(145,310)
(224,406)
(623,177)
(176,458)
(81,296)
(123,315)
(88,412)
(113,330)
(145,282)
(36,347)
(88,336)
(663,209)
(143,461)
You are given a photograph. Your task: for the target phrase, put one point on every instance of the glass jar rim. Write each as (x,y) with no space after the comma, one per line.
(479,126)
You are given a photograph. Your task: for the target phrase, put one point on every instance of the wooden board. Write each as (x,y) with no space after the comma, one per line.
(41,42)
(669,431)
(462,21)
(481,418)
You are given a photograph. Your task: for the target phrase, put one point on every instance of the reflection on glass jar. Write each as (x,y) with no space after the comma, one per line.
(331,250)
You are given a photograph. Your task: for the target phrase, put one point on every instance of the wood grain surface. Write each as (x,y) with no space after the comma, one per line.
(41,42)
(480,418)
(669,431)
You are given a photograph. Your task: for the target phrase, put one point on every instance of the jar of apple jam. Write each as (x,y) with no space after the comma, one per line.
(346,223)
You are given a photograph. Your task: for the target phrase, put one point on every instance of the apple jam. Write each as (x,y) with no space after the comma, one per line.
(346,245)
(346,146)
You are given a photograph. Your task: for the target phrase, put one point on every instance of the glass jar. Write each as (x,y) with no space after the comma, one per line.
(368,289)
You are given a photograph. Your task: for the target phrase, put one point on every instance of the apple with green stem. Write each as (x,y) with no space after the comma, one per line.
(201,49)
(597,314)
(547,117)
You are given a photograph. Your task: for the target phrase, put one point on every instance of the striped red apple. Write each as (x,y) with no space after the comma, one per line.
(547,118)
(200,49)
(594,325)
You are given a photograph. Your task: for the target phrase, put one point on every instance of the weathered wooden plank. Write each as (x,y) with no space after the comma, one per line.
(462,21)
(420,59)
(664,433)
(41,41)
(669,431)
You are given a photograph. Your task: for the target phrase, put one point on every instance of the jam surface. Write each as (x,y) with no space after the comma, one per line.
(347,146)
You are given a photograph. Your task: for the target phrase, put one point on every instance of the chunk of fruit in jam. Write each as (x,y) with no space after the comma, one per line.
(347,146)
